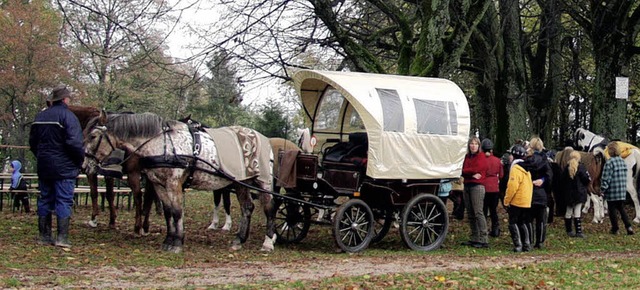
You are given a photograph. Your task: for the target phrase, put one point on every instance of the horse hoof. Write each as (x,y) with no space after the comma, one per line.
(227,227)
(636,220)
(92,223)
(212,227)
(268,244)
(175,249)
(166,247)
(236,247)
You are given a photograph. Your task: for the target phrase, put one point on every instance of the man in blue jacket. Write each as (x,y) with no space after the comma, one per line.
(56,141)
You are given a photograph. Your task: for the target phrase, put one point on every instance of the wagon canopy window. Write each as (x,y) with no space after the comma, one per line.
(329,110)
(392,113)
(436,117)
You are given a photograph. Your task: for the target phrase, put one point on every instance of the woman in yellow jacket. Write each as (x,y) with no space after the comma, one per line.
(517,200)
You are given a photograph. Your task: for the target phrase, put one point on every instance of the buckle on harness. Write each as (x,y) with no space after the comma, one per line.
(196,149)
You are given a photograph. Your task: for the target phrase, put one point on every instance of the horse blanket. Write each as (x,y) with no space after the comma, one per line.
(238,150)
(625,150)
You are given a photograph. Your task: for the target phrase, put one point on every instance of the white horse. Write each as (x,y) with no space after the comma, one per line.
(589,141)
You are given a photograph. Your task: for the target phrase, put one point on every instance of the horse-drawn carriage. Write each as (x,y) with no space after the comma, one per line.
(383,143)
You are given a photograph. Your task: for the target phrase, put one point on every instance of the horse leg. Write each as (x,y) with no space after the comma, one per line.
(587,204)
(634,195)
(134,183)
(150,197)
(246,206)
(269,212)
(93,190)
(113,214)
(217,194)
(226,201)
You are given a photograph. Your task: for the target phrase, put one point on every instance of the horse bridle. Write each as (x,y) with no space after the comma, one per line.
(92,155)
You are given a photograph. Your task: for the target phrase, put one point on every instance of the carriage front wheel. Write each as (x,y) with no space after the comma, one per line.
(292,221)
(424,223)
(353,226)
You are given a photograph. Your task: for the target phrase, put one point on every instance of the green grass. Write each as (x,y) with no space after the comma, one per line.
(121,249)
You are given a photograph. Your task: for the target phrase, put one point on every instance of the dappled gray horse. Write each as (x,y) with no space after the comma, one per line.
(174,157)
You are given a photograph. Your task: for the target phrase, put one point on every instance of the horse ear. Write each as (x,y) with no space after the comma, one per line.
(102,119)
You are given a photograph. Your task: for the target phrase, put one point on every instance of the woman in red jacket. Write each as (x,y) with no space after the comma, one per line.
(495,172)
(474,171)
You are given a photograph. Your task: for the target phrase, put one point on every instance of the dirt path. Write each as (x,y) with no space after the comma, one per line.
(252,272)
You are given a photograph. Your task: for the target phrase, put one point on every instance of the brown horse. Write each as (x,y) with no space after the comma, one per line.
(85,115)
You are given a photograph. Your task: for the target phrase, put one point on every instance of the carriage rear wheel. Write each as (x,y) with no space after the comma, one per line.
(382,223)
(424,223)
(292,221)
(353,226)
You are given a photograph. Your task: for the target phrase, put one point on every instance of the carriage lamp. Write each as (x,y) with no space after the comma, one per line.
(356,193)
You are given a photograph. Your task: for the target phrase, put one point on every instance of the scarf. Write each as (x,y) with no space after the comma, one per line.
(15,177)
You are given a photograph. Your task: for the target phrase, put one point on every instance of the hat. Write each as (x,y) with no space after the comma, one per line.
(518,151)
(487,145)
(59,93)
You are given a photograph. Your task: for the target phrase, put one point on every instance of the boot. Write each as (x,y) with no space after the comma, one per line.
(525,236)
(44,227)
(495,230)
(569,227)
(63,233)
(515,237)
(578,222)
(541,232)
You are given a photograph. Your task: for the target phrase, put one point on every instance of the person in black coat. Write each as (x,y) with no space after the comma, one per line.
(575,180)
(541,175)
(56,141)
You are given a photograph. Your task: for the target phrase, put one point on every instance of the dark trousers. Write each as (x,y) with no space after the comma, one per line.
(21,198)
(616,206)
(491,200)
(458,204)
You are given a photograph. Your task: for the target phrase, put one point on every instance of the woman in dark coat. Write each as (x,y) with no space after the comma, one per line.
(575,179)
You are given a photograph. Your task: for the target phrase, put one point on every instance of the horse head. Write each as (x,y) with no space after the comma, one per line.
(585,140)
(99,143)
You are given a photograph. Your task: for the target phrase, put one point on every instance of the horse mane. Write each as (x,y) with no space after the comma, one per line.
(127,126)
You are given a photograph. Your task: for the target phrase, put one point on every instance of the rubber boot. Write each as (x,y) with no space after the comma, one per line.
(63,233)
(515,237)
(578,222)
(44,227)
(525,237)
(568,226)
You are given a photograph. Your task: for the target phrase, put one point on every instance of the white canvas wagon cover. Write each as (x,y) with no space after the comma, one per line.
(417,127)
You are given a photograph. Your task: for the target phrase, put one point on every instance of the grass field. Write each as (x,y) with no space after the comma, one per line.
(600,260)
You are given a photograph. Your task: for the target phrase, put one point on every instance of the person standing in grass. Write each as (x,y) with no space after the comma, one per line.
(614,188)
(18,183)
(517,200)
(56,141)
(492,187)
(575,179)
(474,170)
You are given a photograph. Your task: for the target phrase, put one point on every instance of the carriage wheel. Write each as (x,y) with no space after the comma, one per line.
(292,222)
(424,223)
(353,226)
(382,223)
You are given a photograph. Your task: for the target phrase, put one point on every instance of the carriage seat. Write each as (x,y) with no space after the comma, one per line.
(354,151)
